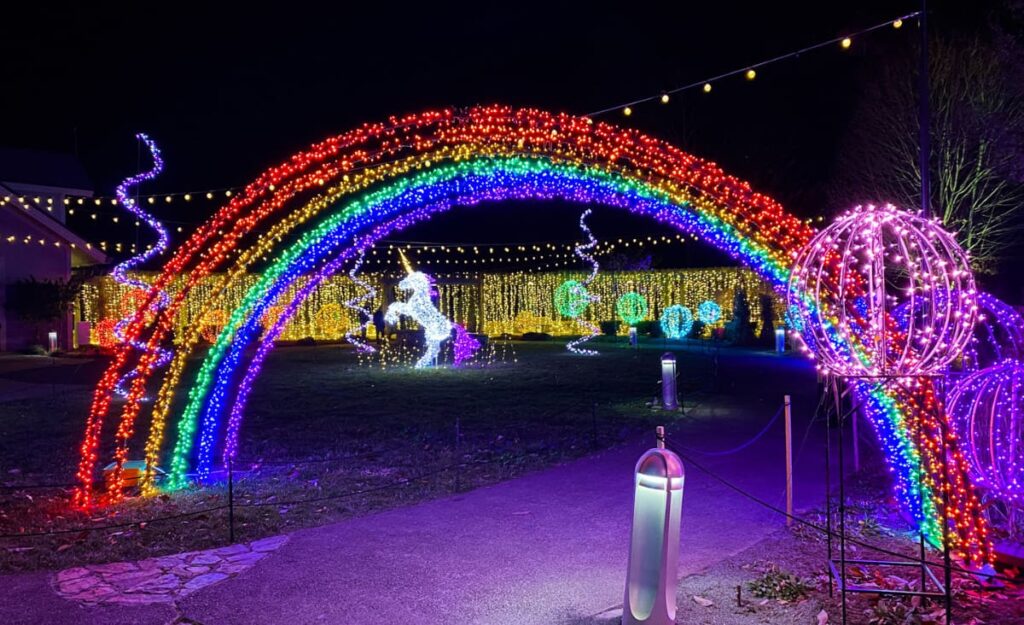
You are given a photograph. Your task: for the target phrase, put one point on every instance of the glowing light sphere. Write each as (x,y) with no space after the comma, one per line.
(571,299)
(849,279)
(998,335)
(985,410)
(631,308)
(676,321)
(709,312)
(212,323)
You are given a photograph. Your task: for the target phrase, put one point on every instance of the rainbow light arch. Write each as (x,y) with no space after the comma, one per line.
(355,188)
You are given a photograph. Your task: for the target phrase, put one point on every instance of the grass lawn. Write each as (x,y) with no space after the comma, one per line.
(325,438)
(320,426)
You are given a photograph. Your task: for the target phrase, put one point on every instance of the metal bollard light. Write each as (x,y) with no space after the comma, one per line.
(653,570)
(633,341)
(780,340)
(669,396)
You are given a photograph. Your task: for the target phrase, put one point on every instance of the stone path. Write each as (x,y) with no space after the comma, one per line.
(163,579)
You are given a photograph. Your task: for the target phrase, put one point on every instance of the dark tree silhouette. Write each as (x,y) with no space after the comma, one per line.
(977,126)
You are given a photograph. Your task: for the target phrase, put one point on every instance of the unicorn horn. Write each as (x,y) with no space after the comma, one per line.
(405,262)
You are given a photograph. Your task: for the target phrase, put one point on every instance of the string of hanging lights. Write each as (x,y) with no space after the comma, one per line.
(705,85)
(749,72)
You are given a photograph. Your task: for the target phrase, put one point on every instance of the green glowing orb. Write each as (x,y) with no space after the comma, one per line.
(571,299)
(632,308)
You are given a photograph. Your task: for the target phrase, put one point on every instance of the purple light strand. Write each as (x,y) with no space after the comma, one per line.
(267,340)
(120,271)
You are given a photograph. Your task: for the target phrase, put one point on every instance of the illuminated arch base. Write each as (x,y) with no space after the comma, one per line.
(353,189)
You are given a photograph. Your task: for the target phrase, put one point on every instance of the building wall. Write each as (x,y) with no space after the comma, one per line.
(22,257)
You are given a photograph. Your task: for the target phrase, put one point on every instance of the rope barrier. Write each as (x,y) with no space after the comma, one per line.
(678,450)
(741,447)
(78,530)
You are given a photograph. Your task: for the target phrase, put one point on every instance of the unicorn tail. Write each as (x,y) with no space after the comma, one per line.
(465,345)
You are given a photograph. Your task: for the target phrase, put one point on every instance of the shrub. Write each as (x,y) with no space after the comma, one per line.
(697,330)
(649,328)
(775,584)
(306,342)
(894,612)
(610,328)
(739,329)
(536,336)
(767,337)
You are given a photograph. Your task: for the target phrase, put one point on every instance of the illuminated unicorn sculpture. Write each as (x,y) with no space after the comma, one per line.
(436,327)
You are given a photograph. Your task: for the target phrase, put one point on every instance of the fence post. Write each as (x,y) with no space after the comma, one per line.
(231,503)
(789,462)
(856,441)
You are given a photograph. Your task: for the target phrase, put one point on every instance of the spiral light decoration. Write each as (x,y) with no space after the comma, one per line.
(120,271)
(585,252)
(849,279)
(358,304)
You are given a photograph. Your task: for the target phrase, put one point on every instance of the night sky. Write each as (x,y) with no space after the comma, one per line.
(230,92)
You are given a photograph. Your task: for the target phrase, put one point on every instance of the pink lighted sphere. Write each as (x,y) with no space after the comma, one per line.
(849,279)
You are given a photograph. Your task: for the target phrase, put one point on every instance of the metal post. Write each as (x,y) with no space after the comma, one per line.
(231,503)
(856,439)
(669,396)
(947,563)
(828,484)
(924,116)
(789,462)
(842,514)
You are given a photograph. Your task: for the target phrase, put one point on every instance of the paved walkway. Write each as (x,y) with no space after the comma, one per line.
(543,549)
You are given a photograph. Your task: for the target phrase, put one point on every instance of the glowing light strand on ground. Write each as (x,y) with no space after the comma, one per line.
(584,252)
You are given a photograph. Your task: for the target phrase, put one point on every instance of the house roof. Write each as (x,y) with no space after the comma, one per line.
(46,169)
